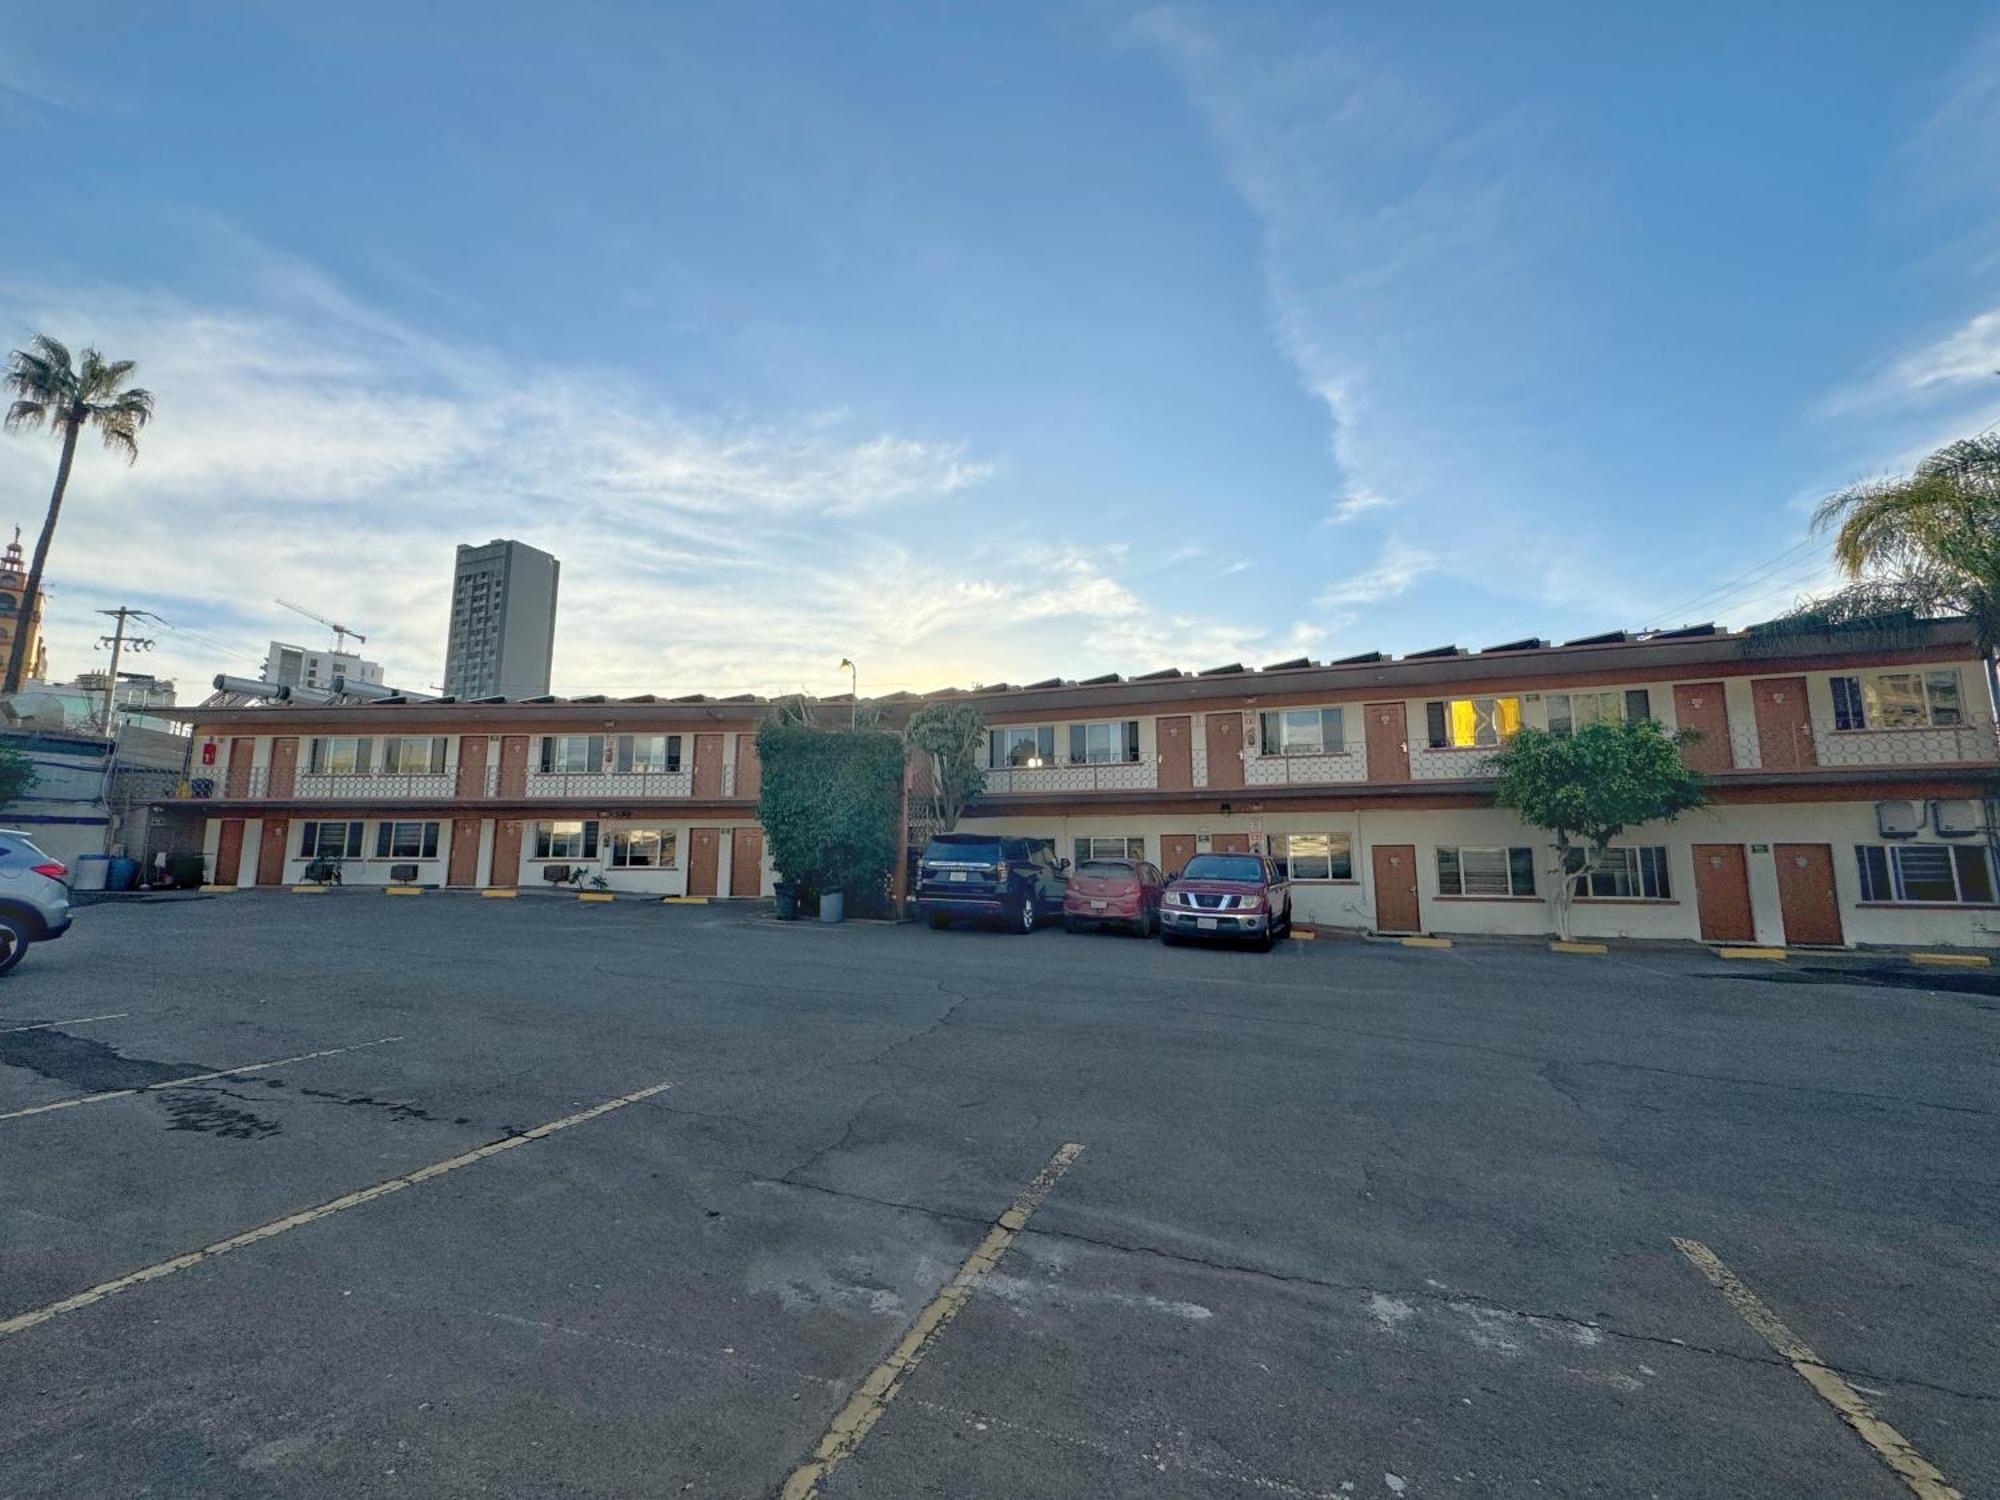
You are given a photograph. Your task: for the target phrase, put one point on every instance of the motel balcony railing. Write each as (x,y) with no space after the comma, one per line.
(1141,775)
(1316,768)
(264,783)
(1816,743)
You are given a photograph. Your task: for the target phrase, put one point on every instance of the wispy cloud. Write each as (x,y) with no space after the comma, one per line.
(311,447)
(1357,503)
(1397,569)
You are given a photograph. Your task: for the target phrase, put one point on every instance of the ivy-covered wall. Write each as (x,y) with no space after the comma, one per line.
(831,807)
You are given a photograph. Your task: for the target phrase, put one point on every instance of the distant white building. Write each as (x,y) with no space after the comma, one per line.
(316,666)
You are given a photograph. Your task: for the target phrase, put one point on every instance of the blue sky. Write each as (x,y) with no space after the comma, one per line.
(985,343)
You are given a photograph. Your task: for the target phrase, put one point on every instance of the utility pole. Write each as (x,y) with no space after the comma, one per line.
(117,642)
(853,694)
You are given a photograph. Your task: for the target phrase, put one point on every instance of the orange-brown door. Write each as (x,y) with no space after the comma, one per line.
(746,861)
(506,870)
(472,768)
(514,768)
(1388,741)
(1397,905)
(1784,730)
(271,848)
(1700,706)
(1176,738)
(237,783)
(1806,897)
(228,852)
(464,866)
(704,845)
(1176,849)
(749,769)
(1230,843)
(708,768)
(284,766)
(1722,894)
(1225,750)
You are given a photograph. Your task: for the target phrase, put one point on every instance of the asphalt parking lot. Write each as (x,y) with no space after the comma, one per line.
(543,1198)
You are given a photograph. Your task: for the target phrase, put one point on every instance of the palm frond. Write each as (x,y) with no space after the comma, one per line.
(137,404)
(120,433)
(25,413)
(31,376)
(53,351)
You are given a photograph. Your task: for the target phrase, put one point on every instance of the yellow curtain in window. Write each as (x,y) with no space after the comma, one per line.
(1464,723)
(1507,713)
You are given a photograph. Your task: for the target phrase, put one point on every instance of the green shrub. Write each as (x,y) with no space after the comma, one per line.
(831,807)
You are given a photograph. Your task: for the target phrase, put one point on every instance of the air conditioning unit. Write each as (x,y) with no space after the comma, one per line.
(1898,820)
(1958,818)
(403,874)
(555,874)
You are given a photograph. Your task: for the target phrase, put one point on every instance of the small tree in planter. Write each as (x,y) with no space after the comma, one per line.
(953,735)
(1589,786)
(830,804)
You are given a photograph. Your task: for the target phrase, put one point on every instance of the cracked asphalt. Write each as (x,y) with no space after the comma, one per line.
(1349,1219)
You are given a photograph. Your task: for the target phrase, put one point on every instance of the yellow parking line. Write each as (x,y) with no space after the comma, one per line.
(213,888)
(865,1406)
(1953,960)
(684,900)
(174,1083)
(1893,1448)
(1560,947)
(595,896)
(310,890)
(500,892)
(1772,953)
(20,1322)
(1425,942)
(402,890)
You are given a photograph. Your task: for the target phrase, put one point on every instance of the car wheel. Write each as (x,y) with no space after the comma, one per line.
(1023,920)
(939,921)
(13,942)
(1265,942)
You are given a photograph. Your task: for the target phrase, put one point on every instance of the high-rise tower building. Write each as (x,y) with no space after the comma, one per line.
(503,622)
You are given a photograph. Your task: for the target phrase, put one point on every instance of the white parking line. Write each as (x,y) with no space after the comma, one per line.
(174,1083)
(116,1015)
(21,1322)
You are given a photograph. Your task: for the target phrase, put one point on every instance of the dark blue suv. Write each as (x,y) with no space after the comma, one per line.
(1020,881)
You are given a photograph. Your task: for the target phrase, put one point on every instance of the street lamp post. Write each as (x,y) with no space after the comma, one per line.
(853,693)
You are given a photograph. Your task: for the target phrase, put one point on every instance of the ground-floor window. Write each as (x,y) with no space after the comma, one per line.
(406,840)
(1625,874)
(566,840)
(1314,856)
(1956,874)
(642,849)
(1095,847)
(1468,871)
(330,841)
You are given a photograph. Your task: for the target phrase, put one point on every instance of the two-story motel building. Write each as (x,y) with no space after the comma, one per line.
(1853,777)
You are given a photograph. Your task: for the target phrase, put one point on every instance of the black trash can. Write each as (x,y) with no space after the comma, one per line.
(786,894)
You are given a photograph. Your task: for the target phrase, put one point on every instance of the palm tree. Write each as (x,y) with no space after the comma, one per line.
(1928,542)
(51,390)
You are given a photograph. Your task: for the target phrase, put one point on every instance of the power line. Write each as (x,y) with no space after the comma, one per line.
(1729,586)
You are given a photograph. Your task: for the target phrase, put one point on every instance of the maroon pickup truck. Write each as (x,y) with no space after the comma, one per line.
(1240,896)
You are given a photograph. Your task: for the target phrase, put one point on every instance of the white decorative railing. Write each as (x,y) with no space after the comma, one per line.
(1350,764)
(1449,763)
(1090,776)
(563,784)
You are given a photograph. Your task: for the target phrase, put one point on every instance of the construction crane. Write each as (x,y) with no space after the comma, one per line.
(340,632)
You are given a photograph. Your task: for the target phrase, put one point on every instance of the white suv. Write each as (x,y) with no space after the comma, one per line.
(34,897)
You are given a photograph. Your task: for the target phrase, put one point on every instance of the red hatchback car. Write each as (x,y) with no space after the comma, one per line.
(1124,892)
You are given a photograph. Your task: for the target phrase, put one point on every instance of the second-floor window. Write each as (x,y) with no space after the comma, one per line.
(342,755)
(574,753)
(1571,711)
(1897,700)
(1095,743)
(1300,731)
(1472,723)
(647,753)
(1021,745)
(413,754)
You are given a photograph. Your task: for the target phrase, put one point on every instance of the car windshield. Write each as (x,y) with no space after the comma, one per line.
(1224,867)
